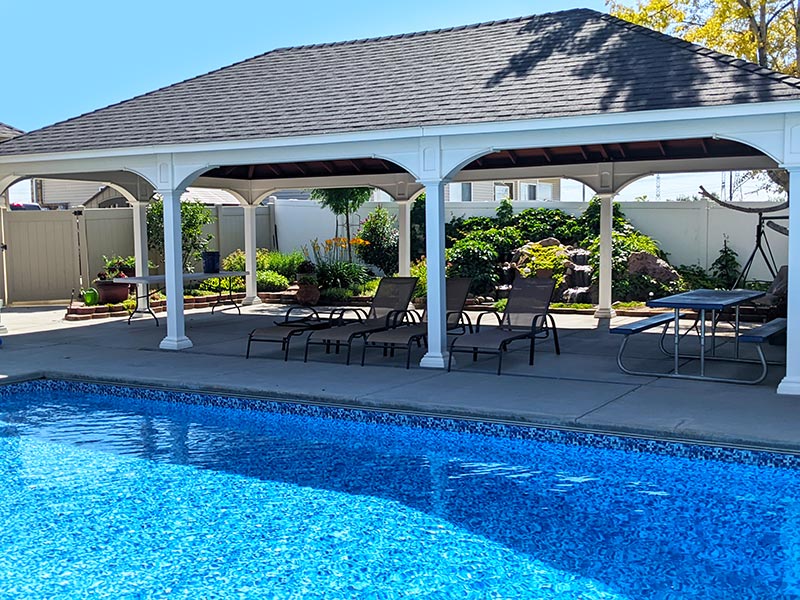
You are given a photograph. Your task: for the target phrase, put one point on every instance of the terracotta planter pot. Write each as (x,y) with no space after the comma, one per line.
(110,292)
(307,294)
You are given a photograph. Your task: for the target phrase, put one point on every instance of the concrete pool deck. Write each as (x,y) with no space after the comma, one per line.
(582,388)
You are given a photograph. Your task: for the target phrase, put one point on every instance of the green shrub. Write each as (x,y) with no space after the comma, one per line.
(234,284)
(284,263)
(336,294)
(341,274)
(504,213)
(271,281)
(589,221)
(697,278)
(475,259)
(502,241)
(536,257)
(419,269)
(726,267)
(535,224)
(369,288)
(380,231)
(625,286)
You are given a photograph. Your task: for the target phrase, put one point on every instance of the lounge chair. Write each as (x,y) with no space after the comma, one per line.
(297,321)
(389,308)
(404,336)
(526,318)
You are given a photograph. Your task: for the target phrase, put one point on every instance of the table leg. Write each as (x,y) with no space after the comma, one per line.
(736,332)
(677,338)
(714,332)
(703,342)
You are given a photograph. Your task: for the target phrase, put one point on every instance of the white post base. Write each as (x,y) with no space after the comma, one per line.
(789,386)
(435,361)
(3,328)
(251,300)
(181,343)
(604,313)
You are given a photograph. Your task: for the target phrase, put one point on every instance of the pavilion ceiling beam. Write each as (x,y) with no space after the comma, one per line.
(603,152)
(621,149)
(512,157)
(251,170)
(583,152)
(661,148)
(703,146)
(328,166)
(546,153)
(353,164)
(274,170)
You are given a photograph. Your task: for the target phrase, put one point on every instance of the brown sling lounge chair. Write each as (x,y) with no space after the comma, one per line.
(389,308)
(526,318)
(297,321)
(404,336)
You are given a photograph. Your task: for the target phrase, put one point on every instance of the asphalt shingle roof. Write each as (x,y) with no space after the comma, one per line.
(7,131)
(575,62)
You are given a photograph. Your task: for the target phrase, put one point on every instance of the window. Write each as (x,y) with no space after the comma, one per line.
(541,192)
(466,192)
(503,191)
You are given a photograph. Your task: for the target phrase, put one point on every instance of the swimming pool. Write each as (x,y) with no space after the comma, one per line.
(119,492)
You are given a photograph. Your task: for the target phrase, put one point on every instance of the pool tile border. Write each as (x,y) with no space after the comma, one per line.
(450,424)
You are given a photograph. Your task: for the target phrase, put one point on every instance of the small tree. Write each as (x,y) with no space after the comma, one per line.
(194,216)
(342,202)
(380,232)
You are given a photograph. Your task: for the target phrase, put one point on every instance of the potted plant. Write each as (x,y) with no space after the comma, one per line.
(307,284)
(109,292)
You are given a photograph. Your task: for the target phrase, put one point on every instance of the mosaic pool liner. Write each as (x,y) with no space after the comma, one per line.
(376,417)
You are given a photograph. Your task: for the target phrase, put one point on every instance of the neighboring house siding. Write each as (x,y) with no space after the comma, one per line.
(73,193)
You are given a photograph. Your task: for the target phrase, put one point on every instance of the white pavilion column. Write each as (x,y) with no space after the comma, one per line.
(790,384)
(251,288)
(604,310)
(140,249)
(404,248)
(173,268)
(436,357)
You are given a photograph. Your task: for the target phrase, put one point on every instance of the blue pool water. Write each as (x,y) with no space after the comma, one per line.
(107,495)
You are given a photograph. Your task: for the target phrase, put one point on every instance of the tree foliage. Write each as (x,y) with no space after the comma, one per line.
(343,202)
(762,31)
(194,216)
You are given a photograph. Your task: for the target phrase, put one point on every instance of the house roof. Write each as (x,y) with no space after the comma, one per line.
(569,63)
(7,131)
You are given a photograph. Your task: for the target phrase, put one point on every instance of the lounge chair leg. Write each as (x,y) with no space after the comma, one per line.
(555,333)
(408,353)
(305,355)
(500,361)
(286,350)
(450,360)
(349,347)
(530,357)
(249,341)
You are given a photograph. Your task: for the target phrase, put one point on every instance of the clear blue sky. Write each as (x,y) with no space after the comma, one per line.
(62,59)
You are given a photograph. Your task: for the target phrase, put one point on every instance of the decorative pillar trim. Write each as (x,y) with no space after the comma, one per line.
(437,356)
(404,247)
(250,247)
(790,384)
(604,310)
(173,269)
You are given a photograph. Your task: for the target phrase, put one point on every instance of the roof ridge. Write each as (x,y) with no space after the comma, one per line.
(734,61)
(397,36)
(10,127)
(302,47)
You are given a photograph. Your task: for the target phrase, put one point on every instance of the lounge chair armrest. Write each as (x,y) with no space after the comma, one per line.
(495,314)
(538,322)
(397,317)
(361,314)
(287,320)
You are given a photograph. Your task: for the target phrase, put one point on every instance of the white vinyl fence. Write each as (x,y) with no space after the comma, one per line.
(50,253)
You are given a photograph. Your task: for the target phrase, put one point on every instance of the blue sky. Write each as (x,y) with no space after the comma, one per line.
(63,59)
